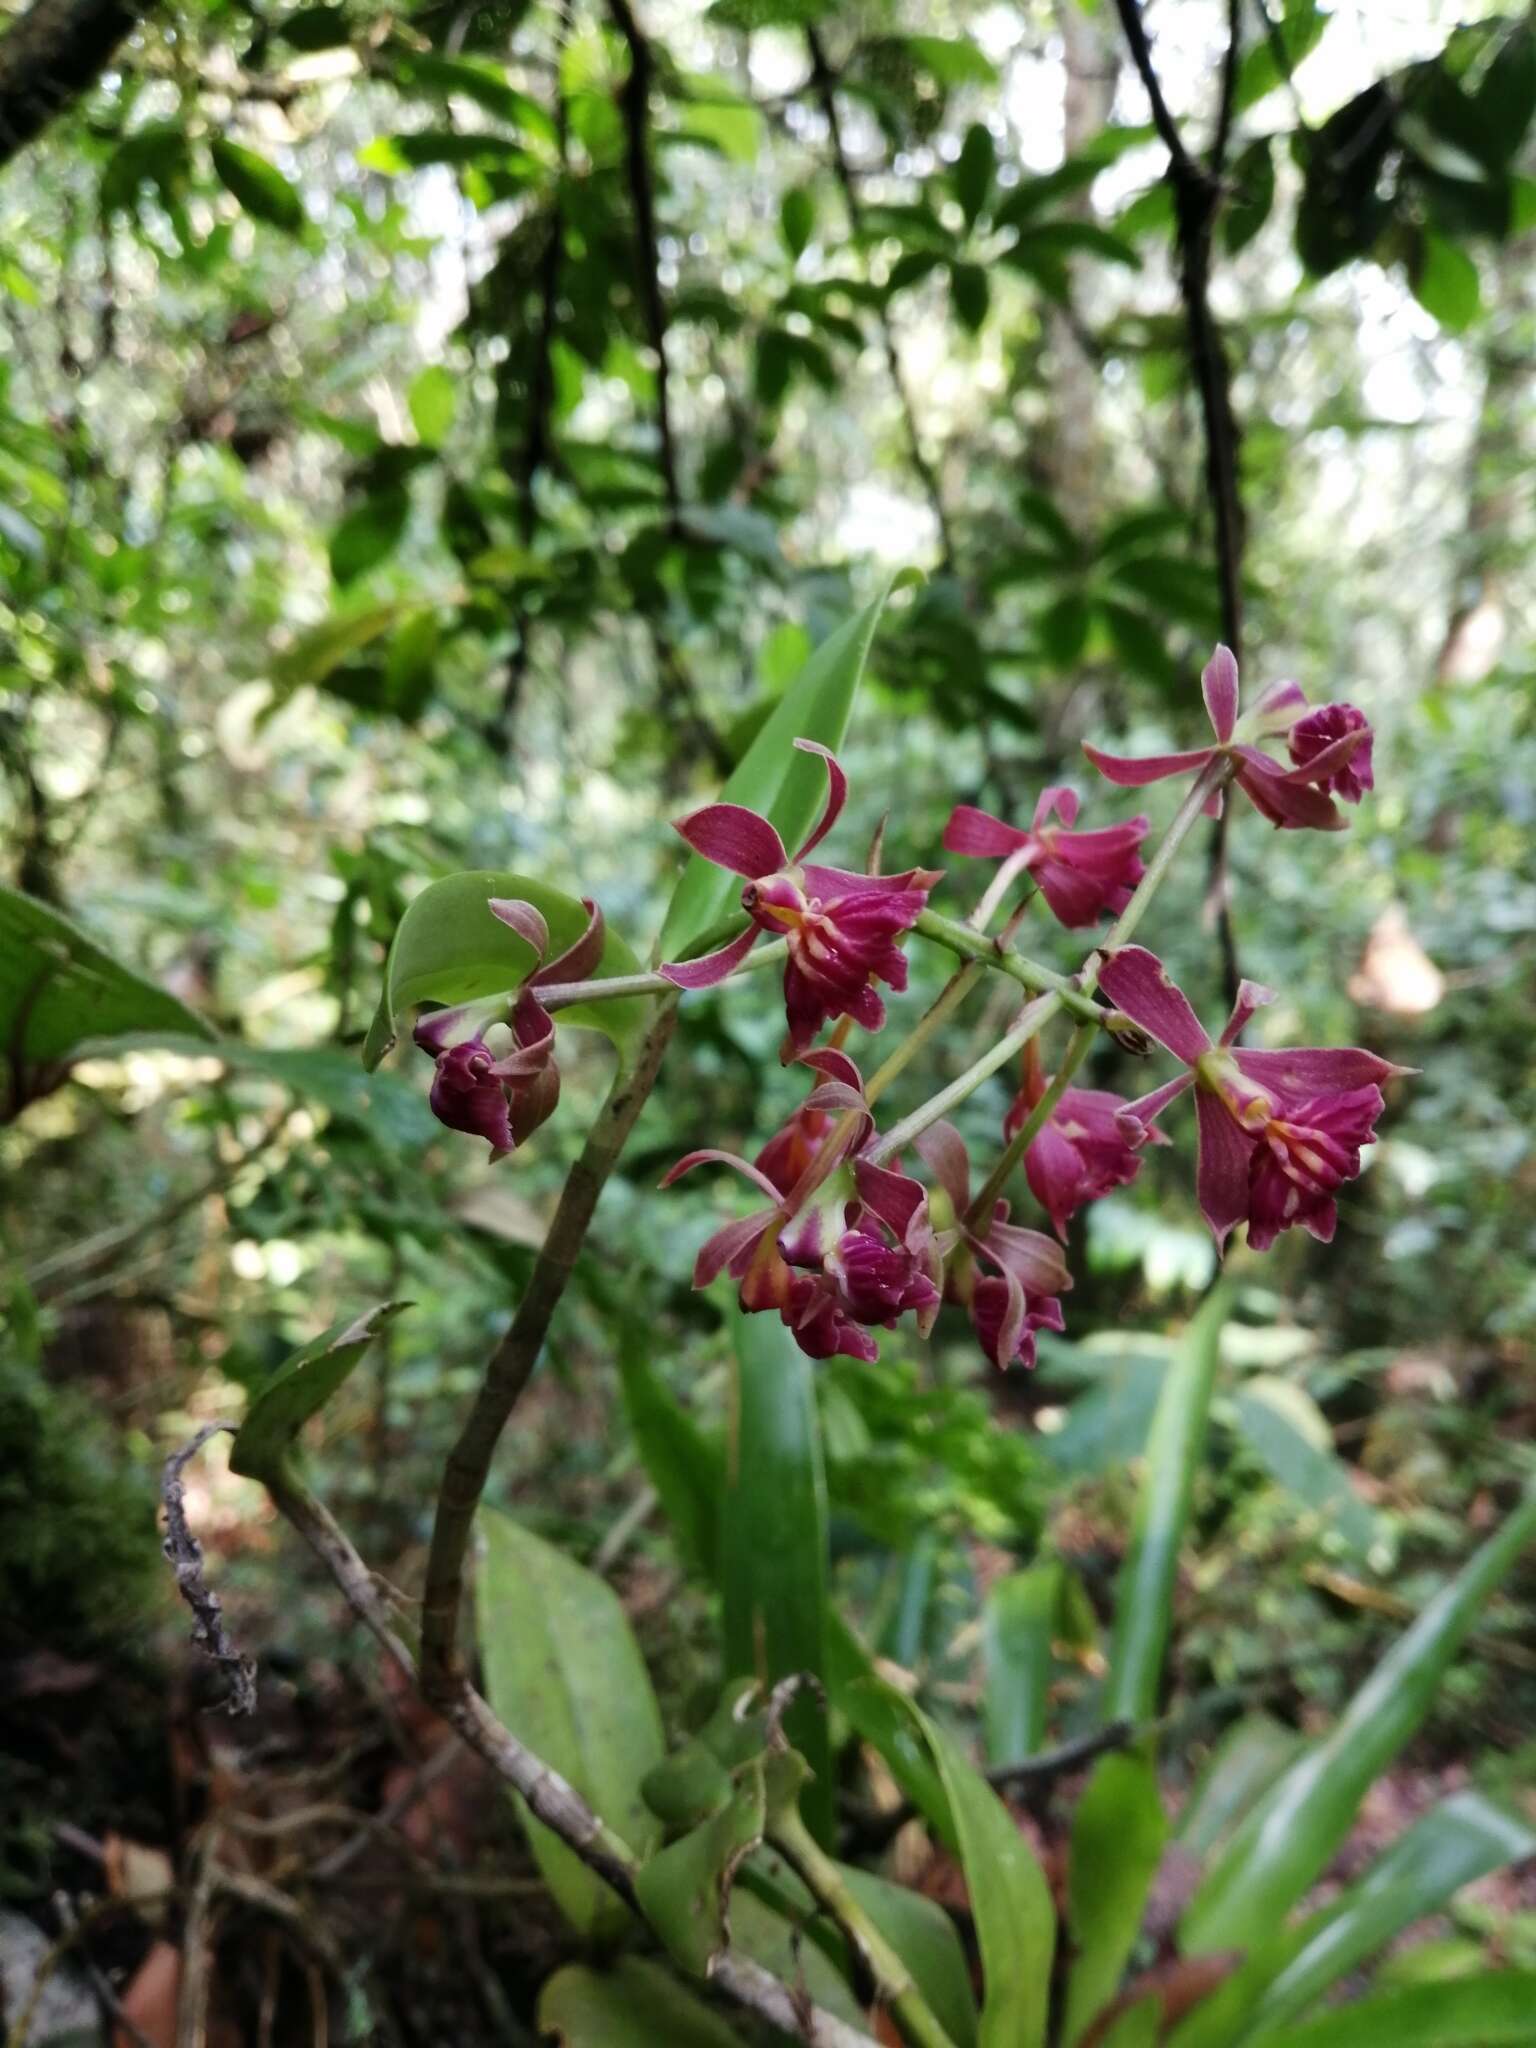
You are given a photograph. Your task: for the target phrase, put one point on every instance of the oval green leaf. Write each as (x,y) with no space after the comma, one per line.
(449,948)
(563,1671)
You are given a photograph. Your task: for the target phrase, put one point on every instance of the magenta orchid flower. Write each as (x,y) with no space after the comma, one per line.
(1007,1277)
(1082,875)
(1280,1132)
(1080,1152)
(496,1076)
(1330,750)
(841,927)
(847,1247)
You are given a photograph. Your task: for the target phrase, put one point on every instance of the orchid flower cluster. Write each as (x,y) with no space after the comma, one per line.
(846,1240)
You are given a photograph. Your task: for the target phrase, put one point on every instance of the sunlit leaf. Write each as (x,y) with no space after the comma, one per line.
(300,1389)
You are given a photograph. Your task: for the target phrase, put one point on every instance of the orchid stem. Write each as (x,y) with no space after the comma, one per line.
(1031,1020)
(971,945)
(1214,776)
(894,1985)
(949,998)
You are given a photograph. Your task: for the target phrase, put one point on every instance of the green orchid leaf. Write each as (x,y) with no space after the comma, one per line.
(1118,1833)
(1287,1840)
(1487,2011)
(774,778)
(300,1389)
(633,2005)
(1145,1591)
(1018,1628)
(564,1672)
(773,1538)
(1010,1900)
(451,948)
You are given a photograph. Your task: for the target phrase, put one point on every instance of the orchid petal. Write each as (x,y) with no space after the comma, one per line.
(1137,982)
(894,1197)
(1136,1120)
(1221,1177)
(712,967)
(980,835)
(1034,1259)
(1059,798)
(711,1155)
(837,795)
(1304,1071)
(942,1150)
(1251,996)
(1327,761)
(1276,709)
(1219,687)
(836,1066)
(525,920)
(1135,774)
(1287,804)
(581,956)
(443,1029)
(537,1101)
(733,837)
(726,1245)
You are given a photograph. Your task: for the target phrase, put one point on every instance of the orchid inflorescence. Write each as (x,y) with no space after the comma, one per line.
(846,1241)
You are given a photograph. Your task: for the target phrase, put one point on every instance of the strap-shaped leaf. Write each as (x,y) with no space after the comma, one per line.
(774,778)
(1018,1628)
(1471,2012)
(564,1672)
(1244,1764)
(1288,1838)
(301,1389)
(450,948)
(1461,1840)
(773,1538)
(1144,1593)
(1010,1900)
(1118,1832)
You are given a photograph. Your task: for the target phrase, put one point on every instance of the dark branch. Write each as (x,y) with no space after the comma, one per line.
(1197,193)
(185,1554)
(635,102)
(56,51)
(872,1832)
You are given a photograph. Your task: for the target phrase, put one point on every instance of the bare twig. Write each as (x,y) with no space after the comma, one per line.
(197,1949)
(185,1555)
(873,1831)
(635,101)
(549,1797)
(1197,193)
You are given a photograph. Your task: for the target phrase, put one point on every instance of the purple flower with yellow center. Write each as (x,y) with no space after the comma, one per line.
(496,1075)
(1007,1277)
(1328,749)
(848,1247)
(841,928)
(1280,1132)
(1080,1152)
(1082,875)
